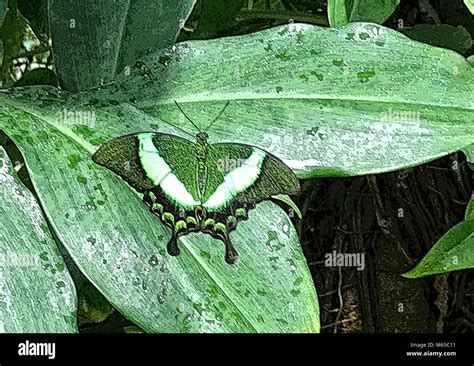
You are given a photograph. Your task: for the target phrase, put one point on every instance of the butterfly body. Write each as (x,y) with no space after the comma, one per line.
(197,186)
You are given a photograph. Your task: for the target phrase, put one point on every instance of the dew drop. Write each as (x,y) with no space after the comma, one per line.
(153,261)
(136,281)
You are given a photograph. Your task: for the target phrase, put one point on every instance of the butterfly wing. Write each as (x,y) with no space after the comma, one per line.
(247,175)
(150,160)
(120,155)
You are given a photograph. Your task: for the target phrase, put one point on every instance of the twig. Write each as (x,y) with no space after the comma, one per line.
(333,291)
(335,324)
(341,302)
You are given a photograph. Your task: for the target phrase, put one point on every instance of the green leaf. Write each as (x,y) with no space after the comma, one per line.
(470,59)
(120,246)
(36,12)
(470,5)
(213,17)
(15,32)
(286,199)
(453,251)
(37,294)
(122,31)
(346,11)
(470,209)
(3,10)
(337,12)
(469,152)
(440,35)
(164,19)
(340,101)
(93,307)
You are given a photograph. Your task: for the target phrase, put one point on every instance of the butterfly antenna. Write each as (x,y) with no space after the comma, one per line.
(184,114)
(218,116)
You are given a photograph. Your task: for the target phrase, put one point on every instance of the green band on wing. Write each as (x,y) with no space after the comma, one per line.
(236,181)
(159,172)
(153,164)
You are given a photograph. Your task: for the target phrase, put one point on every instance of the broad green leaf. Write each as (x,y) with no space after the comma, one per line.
(120,246)
(470,5)
(470,59)
(92,305)
(441,35)
(15,33)
(37,294)
(3,9)
(346,11)
(96,39)
(470,209)
(469,152)
(453,251)
(36,12)
(347,100)
(287,200)
(213,17)
(337,12)
(150,26)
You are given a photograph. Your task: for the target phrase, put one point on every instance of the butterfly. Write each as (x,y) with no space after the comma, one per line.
(195,186)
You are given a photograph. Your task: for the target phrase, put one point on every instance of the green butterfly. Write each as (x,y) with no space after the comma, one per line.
(197,186)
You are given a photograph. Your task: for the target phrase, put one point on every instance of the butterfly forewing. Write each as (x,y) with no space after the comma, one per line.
(250,175)
(120,155)
(148,160)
